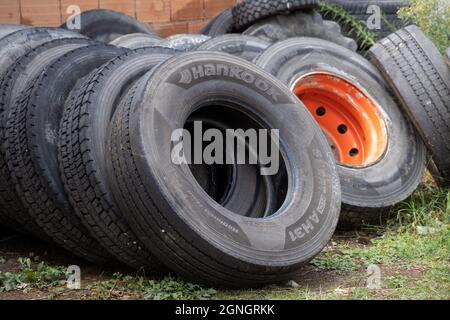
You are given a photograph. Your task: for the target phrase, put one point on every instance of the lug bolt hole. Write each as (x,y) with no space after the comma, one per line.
(354,152)
(342,129)
(321,111)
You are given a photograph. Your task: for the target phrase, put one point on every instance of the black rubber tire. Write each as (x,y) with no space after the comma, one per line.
(447,57)
(82,143)
(300,24)
(242,46)
(414,68)
(187,230)
(18,43)
(58,223)
(221,24)
(13,47)
(106,25)
(366,192)
(136,40)
(184,42)
(6,29)
(34,139)
(247,12)
(389,8)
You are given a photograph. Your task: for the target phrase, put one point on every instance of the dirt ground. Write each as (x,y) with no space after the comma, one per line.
(335,280)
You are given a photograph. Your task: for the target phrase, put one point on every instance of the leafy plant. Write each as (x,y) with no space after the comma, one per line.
(165,289)
(351,26)
(432,17)
(40,276)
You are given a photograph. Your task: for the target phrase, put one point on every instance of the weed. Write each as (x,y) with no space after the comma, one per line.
(333,261)
(432,17)
(428,206)
(166,289)
(41,276)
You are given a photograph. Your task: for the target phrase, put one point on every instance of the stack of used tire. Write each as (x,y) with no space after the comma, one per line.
(86,160)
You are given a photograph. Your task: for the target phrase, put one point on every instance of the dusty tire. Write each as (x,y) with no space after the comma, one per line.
(13,47)
(36,126)
(221,24)
(136,41)
(18,43)
(414,68)
(373,175)
(223,250)
(300,24)
(6,29)
(363,10)
(247,12)
(242,46)
(184,42)
(81,147)
(105,25)
(59,224)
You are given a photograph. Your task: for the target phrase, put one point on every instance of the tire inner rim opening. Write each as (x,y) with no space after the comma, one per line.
(350,118)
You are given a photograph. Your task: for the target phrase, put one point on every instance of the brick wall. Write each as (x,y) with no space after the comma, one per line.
(166,17)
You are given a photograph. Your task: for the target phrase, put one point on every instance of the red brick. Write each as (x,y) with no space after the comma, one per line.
(186,9)
(196,26)
(125,6)
(41,13)
(9,12)
(153,10)
(84,5)
(168,29)
(214,7)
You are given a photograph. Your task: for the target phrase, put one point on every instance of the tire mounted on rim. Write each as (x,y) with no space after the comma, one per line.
(380,156)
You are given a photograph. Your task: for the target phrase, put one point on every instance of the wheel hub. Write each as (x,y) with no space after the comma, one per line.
(351,120)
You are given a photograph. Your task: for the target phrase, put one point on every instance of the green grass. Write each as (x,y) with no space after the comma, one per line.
(432,17)
(39,276)
(166,289)
(414,265)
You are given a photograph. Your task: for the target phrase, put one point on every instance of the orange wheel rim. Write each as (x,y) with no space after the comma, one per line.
(350,119)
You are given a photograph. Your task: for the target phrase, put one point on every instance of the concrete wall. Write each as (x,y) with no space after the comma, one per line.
(166,17)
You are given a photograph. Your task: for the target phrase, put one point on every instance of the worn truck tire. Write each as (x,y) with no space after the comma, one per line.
(58,223)
(300,24)
(136,40)
(105,25)
(380,156)
(82,143)
(242,46)
(414,68)
(13,47)
(189,231)
(37,125)
(247,12)
(6,29)
(221,24)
